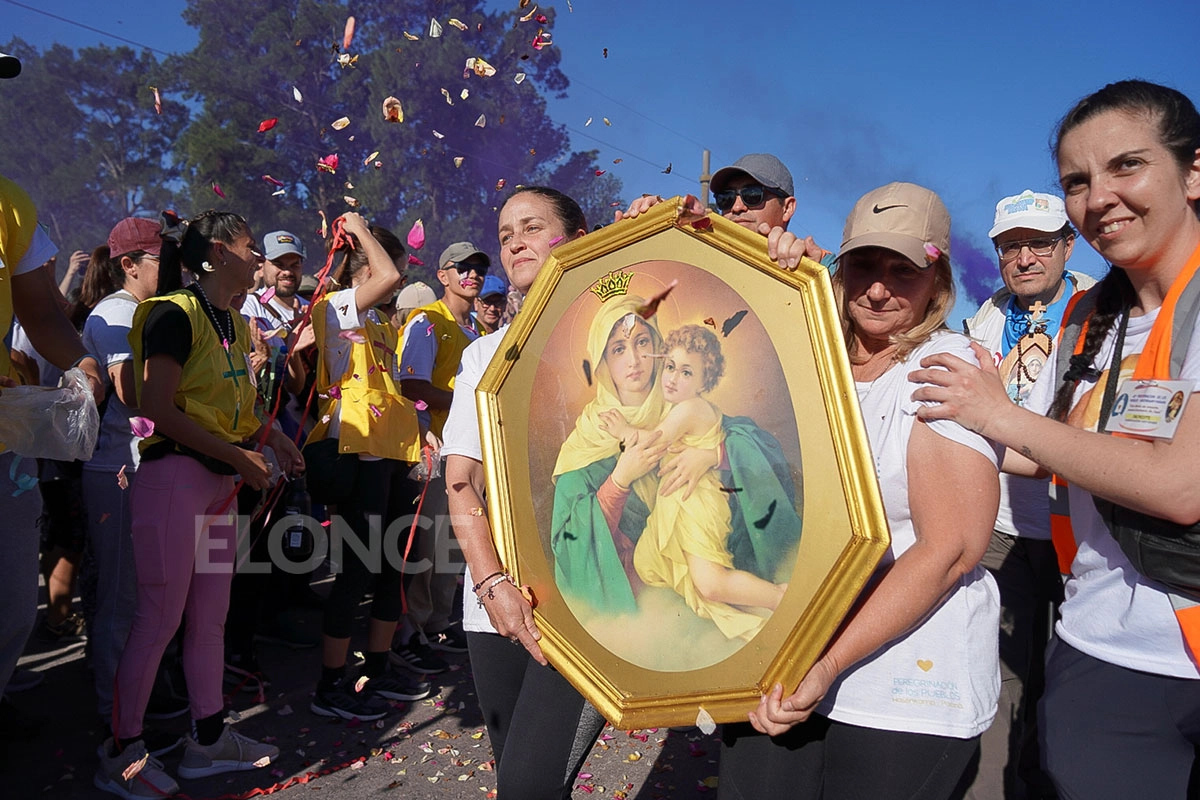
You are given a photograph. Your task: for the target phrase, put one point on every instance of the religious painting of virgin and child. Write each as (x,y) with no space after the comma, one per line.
(676,467)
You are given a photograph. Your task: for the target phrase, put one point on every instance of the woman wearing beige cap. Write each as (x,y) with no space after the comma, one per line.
(896,704)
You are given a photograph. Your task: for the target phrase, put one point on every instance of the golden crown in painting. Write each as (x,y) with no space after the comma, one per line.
(611,285)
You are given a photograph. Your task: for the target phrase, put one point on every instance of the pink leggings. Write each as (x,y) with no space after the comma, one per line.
(184,563)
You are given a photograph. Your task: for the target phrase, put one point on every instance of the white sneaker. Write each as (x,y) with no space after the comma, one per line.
(133,774)
(230,753)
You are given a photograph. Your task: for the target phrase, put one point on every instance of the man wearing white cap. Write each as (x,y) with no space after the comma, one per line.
(1019,324)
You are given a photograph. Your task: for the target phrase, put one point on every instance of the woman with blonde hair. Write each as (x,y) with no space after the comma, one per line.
(895,706)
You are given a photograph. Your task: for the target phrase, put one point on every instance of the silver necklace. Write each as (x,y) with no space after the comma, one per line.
(226,335)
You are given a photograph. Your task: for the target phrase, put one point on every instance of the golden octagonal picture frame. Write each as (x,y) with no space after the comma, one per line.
(677,467)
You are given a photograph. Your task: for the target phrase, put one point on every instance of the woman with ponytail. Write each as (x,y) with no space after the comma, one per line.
(1121,712)
(376,427)
(192,377)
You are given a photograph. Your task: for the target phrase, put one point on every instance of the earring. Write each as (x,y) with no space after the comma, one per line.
(207,267)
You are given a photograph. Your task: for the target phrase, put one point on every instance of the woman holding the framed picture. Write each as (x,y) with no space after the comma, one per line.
(895,706)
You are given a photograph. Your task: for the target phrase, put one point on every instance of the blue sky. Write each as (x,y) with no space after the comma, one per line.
(961,97)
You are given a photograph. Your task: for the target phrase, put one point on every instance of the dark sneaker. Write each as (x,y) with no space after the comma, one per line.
(232,752)
(418,656)
(132,774)
(394,686)
(166,706)
(243,673)
(451,640)
(343,701)
(69,631)
(23,680)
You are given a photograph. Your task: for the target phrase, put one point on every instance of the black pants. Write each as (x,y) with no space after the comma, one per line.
(834,761)
(552,728)
(382,495)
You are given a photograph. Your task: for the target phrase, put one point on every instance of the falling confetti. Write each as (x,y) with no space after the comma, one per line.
(647,311)
(480,67)
(279,193)
(272,181)
(416,236)
(267,124)
(348,33)
(350,201)
(709,321)
(458,161)
(217,190)
(519,78)
(157,100)
(667,171)
(728,325)
(411,37)
(606,122)
(500,184)
(600,172)
(296,94)
(324,231)
(328,164)
(529,16)
(606,52)
(438,135)
(705,723)
(541,40)
(141,427)
(416,262)
(339,123)
(392,110)
(446,94)
(435,29)
(618,160)
(456,23)
(370,158)
(589,122)
(464,94)
(346,60)
(481,122)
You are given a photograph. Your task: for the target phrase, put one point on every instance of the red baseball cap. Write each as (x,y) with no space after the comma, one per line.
(134,233)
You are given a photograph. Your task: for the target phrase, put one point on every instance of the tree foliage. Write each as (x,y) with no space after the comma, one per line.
(84,140)
(450,162)
(91,148)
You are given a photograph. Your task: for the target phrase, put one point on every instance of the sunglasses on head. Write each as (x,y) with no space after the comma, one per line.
(753,196)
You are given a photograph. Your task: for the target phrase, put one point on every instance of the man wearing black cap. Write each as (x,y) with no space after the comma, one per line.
(434,340)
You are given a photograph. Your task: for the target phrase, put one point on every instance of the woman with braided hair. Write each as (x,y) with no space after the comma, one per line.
(1123,666)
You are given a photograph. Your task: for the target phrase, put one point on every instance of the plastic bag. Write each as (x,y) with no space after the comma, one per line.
(39,422)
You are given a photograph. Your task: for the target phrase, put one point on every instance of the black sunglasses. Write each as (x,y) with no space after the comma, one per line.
(478,269)
(753,196)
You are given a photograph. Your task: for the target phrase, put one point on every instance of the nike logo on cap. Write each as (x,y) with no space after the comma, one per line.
(879,210)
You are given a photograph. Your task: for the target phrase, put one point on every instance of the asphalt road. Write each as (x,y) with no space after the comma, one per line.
(434,748)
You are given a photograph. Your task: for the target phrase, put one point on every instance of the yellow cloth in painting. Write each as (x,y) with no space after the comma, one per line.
(376,419)
(216,386)
(588,442)
(700,526)
(18,221)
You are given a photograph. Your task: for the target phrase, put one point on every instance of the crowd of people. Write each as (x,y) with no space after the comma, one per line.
(1023,471)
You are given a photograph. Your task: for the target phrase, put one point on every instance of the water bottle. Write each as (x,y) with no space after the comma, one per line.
(297,508)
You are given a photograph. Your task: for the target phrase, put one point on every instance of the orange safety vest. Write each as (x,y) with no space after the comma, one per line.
(1160,359)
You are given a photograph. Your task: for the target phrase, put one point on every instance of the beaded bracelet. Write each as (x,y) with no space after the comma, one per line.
(475,588)
(490,591)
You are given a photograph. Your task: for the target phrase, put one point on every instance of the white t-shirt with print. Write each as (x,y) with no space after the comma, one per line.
(943,677)
(1110,611)
(460,437)
(342,315)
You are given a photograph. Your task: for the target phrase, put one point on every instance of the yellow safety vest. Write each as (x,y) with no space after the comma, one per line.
(376,419)
(18,222)
(216,387)
(451,342)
